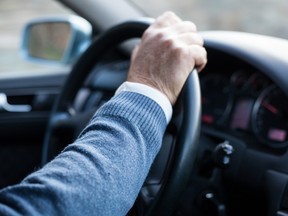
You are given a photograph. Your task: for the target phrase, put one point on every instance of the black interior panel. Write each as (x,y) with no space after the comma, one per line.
(21,134)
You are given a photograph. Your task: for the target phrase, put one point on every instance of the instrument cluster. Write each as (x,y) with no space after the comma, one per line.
(245,103)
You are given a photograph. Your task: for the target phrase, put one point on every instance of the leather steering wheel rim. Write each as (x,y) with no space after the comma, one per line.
(190,106)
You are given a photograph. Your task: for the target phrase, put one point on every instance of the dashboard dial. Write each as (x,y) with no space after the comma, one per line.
(215,90)
(270,115)
(252,82)
(239,78)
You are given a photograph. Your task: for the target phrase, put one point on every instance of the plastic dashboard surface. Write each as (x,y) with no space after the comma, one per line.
(244,87)
(243,101)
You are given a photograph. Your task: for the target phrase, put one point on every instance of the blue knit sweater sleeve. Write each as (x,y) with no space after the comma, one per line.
(102,172)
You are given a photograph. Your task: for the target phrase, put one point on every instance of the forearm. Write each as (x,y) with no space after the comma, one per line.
(90,176)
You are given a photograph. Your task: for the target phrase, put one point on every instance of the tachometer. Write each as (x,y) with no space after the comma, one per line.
(270,117)
(215,90)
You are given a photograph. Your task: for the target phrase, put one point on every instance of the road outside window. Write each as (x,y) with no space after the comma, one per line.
(13,16)
(266,17)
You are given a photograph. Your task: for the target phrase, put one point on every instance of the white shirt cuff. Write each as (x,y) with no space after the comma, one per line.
(150,92)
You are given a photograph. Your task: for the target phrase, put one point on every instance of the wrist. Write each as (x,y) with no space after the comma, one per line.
(150,92)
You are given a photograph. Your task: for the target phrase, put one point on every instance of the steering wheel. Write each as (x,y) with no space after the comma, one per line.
(185,122)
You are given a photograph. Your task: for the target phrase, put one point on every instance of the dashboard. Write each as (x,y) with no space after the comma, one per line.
(247,104)
(244,89)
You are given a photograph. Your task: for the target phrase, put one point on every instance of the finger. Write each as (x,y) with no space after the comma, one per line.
(199,55)
(182,27)
(167,19)
(189,39)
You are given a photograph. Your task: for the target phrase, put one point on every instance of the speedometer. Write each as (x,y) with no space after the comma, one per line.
(270,117)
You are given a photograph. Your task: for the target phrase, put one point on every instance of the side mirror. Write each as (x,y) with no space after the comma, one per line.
(56,40)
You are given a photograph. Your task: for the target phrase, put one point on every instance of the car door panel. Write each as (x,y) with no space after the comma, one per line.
(22,132)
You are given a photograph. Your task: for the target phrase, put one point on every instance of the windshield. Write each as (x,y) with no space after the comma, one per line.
(266,17)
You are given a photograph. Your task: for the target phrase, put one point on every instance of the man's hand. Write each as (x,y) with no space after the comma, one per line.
(170,48)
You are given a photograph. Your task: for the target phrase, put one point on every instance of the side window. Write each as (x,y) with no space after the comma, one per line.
(14,14)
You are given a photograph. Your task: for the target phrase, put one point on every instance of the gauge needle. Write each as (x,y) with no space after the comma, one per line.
(271,108)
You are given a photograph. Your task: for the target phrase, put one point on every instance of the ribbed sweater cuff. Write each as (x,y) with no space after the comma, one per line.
(140,110)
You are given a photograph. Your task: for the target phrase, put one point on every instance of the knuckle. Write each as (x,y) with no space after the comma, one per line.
(190,25)
(168,42)
(153,34)
(147,33)
(203,52)
(202,56)
(198,54)
(160,35)
(193,26)
(195,39)
(200,39)
(181,52)
(171,15)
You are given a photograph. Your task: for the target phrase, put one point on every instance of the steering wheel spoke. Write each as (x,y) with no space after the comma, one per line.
(74,123)
(63,130)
